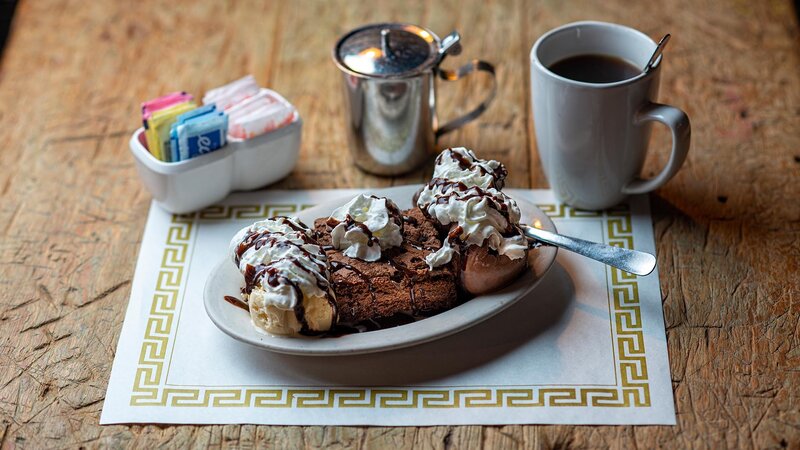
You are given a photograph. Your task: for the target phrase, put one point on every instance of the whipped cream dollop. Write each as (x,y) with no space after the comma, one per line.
(465,192)
(365,226)
(286,276)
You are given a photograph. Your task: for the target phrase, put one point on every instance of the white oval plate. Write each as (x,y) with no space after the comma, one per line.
(225,279)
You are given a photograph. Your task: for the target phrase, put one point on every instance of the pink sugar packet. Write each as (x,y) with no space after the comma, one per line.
(151,106)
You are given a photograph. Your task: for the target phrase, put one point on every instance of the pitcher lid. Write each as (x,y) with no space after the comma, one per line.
(387,50)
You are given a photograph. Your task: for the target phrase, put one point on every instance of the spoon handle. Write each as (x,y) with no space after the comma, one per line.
(633,261)
(659,49)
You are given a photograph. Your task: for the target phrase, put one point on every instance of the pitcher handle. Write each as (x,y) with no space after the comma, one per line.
(461,72)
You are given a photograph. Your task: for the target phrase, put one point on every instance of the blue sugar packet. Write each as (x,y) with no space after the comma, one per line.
(197,112)
(198,132)
(180,120)
(203,135)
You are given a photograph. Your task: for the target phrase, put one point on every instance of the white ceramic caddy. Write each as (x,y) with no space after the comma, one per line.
(225,279)
(241,165)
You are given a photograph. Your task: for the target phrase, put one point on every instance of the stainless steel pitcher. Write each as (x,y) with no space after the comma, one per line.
(390,92)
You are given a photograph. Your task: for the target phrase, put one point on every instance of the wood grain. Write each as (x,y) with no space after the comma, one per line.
(72,209)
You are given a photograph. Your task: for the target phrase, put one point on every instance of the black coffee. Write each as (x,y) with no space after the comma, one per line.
(595,68)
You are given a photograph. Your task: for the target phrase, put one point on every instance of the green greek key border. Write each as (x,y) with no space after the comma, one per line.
(149,389)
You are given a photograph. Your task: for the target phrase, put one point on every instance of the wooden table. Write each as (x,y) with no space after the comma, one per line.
(72,209)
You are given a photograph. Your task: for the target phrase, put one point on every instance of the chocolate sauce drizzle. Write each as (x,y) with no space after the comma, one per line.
(375,323)
(405,273)
(237,302)
(461,192)
(410,220)
(350,222)
(271,275)
(411,275)
(417,245)
(456,190)
(468,161)
(338,265)
(401,318)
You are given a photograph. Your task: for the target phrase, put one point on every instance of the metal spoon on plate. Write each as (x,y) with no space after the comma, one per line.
(633,261)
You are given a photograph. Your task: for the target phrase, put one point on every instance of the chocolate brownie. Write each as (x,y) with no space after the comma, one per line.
(399,283)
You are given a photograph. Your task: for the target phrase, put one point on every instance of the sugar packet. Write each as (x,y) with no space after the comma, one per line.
(198,132)
(232,93)
(259,114)
(162,102)
(158,126)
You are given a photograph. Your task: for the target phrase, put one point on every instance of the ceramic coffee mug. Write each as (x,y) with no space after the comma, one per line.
(592,137)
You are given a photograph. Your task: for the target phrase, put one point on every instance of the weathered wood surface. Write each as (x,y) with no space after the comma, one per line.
(72,210)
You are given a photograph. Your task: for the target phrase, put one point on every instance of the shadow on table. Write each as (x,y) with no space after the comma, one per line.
(7,8)
(797,10)
(539,311)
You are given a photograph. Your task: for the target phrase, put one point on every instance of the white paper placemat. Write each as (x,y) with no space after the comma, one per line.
(587,347)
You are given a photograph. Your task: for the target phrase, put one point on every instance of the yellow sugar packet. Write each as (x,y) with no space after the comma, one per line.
(158,126)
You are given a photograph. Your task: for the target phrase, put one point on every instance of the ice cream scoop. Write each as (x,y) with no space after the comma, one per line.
(483,270)
(286,277)
(365,226)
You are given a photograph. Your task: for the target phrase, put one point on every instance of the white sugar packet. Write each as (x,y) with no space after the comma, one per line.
(232,93)
(259,114)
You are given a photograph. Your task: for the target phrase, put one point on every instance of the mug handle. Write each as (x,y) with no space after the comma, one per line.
(461,72)
(678,123)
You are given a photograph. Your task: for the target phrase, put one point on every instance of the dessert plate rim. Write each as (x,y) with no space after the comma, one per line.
(225,279)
